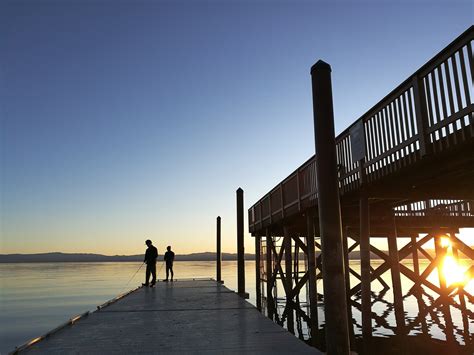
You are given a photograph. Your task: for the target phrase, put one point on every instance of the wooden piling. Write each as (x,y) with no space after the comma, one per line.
(313,292)
(269,267)
(218,250)
(365,267)
(440,254)
(257,273)
(335,304)
(416,263)
(396,281)
(288,280)
(240,244)
(348,288)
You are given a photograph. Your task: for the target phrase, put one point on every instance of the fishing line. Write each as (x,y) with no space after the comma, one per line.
(161,267)
(136,272)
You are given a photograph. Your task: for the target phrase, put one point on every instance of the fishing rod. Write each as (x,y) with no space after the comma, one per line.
(136,272)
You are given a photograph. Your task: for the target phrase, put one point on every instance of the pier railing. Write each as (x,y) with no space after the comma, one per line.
(430,113)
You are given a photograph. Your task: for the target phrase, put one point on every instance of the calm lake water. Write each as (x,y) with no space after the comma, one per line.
(36,297)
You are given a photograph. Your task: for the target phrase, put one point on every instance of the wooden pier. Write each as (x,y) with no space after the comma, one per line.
(404,169)
(198,316)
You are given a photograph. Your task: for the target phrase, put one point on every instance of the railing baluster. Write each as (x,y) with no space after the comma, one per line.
(393,129)
(443,132)
(435,94)
(467,95)
(444,111)
(431,120)
(422,122)
(457,89)
(383,133)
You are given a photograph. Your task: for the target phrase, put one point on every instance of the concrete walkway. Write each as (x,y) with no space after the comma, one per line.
(185,316)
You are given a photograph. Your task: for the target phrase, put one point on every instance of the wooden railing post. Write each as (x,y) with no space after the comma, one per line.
(335,301)
(421,112)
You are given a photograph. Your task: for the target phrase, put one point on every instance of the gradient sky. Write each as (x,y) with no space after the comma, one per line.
(126,120)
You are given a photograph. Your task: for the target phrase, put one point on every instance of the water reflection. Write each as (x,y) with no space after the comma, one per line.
(433,323)
(35,298)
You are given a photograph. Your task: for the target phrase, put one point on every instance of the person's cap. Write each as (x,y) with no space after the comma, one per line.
(148,241)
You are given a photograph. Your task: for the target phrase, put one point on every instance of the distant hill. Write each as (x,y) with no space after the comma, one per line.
(82,257)
(58,257)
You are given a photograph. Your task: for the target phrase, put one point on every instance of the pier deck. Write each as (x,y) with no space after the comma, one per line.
(198,316)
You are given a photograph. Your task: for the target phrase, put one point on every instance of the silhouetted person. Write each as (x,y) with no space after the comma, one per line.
(169,258)
(150,259)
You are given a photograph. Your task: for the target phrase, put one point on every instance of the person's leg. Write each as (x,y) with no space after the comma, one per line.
(167,272)
(147,275)
(172,273)
(153,273)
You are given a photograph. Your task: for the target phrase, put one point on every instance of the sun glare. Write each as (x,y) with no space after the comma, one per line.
(445,242)
(452,271)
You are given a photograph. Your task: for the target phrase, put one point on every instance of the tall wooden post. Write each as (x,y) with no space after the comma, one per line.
(288,280)
(335,304)
(269,266)
(218,251)
(240,244)
(313,292)
(396,281)
(258,293)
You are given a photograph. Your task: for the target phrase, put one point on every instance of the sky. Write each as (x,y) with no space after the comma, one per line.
(128,120)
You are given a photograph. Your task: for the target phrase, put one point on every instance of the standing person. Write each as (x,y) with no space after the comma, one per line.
(150,259)
(169,258)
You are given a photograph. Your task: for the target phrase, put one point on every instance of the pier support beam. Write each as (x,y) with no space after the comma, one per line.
(365,267)
(269,267)
(313,291)
(440,254)
(240,244)
(258,293)
(288,280)
(335,302)
(396,281)
(416,264)
(345,245)
(218,250)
